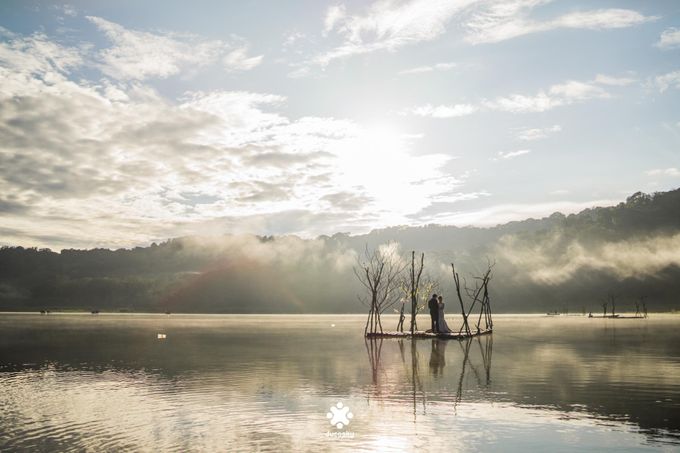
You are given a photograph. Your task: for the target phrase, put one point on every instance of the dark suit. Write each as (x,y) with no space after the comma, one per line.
(433,305)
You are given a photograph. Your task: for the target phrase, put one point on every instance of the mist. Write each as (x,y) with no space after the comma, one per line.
(557,259)
(560,262)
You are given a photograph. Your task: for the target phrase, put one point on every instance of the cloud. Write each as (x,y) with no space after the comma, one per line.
(238,60)
(567,93)
(430,68)
(12,206)
(668,80)
(258,191)
(138,55)
(511,154)
(346,200)
(38,55)
(443,207)
(442,111)
(387,25)
(242,111)
(577,91)
(112,163)
(537,133)
(334,15)
(292,38)
(672,171)
(669,39)
(614,81)
(67,10)
(500,21)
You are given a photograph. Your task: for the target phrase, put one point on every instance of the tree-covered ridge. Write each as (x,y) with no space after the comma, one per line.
(631,249)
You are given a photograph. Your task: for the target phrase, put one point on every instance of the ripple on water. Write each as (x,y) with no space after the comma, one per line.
(217,391)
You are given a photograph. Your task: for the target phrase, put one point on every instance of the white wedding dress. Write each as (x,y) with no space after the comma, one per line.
(443,327)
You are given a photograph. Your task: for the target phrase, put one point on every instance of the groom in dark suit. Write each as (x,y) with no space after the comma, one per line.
(433,305)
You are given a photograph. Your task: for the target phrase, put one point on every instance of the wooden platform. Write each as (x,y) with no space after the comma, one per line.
(428,334)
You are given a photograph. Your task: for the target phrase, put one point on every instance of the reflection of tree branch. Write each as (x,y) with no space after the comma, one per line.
(416,382)
(486,356)
(414,374)
(477,375)
(459,392)
(374,350)
(436,366)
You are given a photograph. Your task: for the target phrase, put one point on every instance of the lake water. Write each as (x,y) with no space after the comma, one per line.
(266,383)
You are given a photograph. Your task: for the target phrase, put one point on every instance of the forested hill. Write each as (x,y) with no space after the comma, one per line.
(640,215)
(559,262)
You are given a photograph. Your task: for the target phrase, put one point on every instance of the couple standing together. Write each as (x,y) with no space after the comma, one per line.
(436,306)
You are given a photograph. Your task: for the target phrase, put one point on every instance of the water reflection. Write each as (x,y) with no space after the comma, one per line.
(613,376)
(438,356)
(266,383)
(436,364)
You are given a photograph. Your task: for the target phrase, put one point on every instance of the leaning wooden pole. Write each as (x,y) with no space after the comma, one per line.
(488,304)
(456,280)
(415,287)
(412,292)
(482,309)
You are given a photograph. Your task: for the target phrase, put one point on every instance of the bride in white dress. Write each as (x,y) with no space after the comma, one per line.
(443,327)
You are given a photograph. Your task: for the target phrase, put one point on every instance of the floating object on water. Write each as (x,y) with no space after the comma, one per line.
(162,336)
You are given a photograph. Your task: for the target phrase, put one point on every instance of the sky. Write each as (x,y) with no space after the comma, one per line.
(124,123)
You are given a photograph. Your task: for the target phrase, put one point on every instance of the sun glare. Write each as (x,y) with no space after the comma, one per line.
(379,159)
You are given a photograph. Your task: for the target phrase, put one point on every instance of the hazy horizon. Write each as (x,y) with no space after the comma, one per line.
(320,235)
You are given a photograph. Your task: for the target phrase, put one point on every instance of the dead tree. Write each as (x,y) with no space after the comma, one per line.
(609,301)
(641,307)
(379,272)
(417,288)
(479,295)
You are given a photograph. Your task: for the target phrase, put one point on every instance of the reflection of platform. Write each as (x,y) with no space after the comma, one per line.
(429,334)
